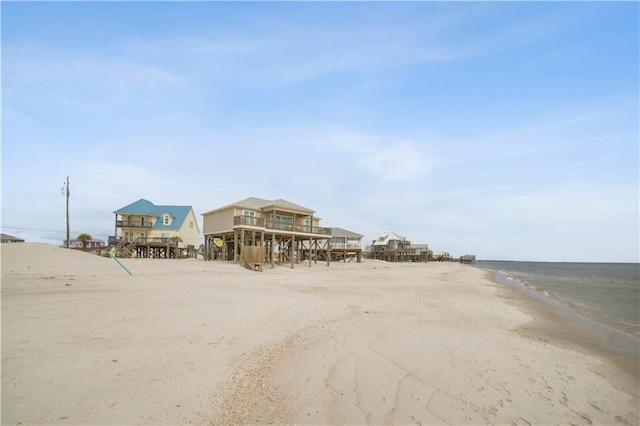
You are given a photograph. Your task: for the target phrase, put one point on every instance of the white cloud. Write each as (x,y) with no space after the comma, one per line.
(385,161)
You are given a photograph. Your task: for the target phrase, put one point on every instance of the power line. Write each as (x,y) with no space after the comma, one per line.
(22,228)
(32,229)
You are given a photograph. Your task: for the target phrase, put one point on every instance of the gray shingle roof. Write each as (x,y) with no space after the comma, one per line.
(340,232)
(251,203)
(384,239)
(262,204)
(7,237)
(288,205)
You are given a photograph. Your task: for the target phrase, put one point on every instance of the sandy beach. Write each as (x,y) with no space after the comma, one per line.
(195,342)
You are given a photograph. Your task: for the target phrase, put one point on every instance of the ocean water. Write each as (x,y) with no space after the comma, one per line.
(607,294)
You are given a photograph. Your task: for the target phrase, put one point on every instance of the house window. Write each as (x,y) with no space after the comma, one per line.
(249,217)
(191,224)
(282,222)
(287,223)
(166,219)
(215,216)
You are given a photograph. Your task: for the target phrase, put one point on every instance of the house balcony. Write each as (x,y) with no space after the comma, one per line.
(133,224)
(170,241)
(290,227)
(387,250)
(248,221)
(260,222)
(346,246)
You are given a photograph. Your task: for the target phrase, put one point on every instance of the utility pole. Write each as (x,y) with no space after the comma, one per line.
(65,190)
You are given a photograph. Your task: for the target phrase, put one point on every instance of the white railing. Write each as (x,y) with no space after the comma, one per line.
(345,246)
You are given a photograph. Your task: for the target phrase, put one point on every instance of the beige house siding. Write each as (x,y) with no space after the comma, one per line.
(189,231)
(224,221)
(137,225)
(145,221)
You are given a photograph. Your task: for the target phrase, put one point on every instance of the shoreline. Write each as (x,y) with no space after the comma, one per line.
(608,323)
(550,324)
(614,340)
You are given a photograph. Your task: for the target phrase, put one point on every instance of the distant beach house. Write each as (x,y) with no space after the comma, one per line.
(6,238)
(148,230)
(468,258)
(279,227)
(422,249)
(390,241)
(393,247)
(345,244)
(74,243)
(441,256)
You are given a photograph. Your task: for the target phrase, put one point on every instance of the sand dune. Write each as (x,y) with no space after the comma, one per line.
(188,341)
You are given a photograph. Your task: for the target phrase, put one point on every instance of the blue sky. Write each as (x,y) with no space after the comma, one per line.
(506,130)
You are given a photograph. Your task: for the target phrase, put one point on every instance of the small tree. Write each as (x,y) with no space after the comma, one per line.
(84,238)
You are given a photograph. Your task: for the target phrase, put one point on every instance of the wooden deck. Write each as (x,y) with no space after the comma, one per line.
(404,255)
(282,242)
(280,245)
(150,248)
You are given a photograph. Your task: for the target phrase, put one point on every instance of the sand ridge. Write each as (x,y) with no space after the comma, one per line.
(194,342)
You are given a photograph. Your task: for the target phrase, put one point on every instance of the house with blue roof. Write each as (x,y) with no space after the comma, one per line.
(150,230)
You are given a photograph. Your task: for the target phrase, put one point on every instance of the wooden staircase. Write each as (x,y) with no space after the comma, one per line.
(125,248)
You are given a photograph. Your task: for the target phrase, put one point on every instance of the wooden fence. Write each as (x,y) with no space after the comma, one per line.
(253,256)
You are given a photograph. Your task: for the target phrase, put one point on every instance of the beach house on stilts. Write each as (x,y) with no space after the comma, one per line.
(393,247)
(254,231)
(143,229)
(346,245)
